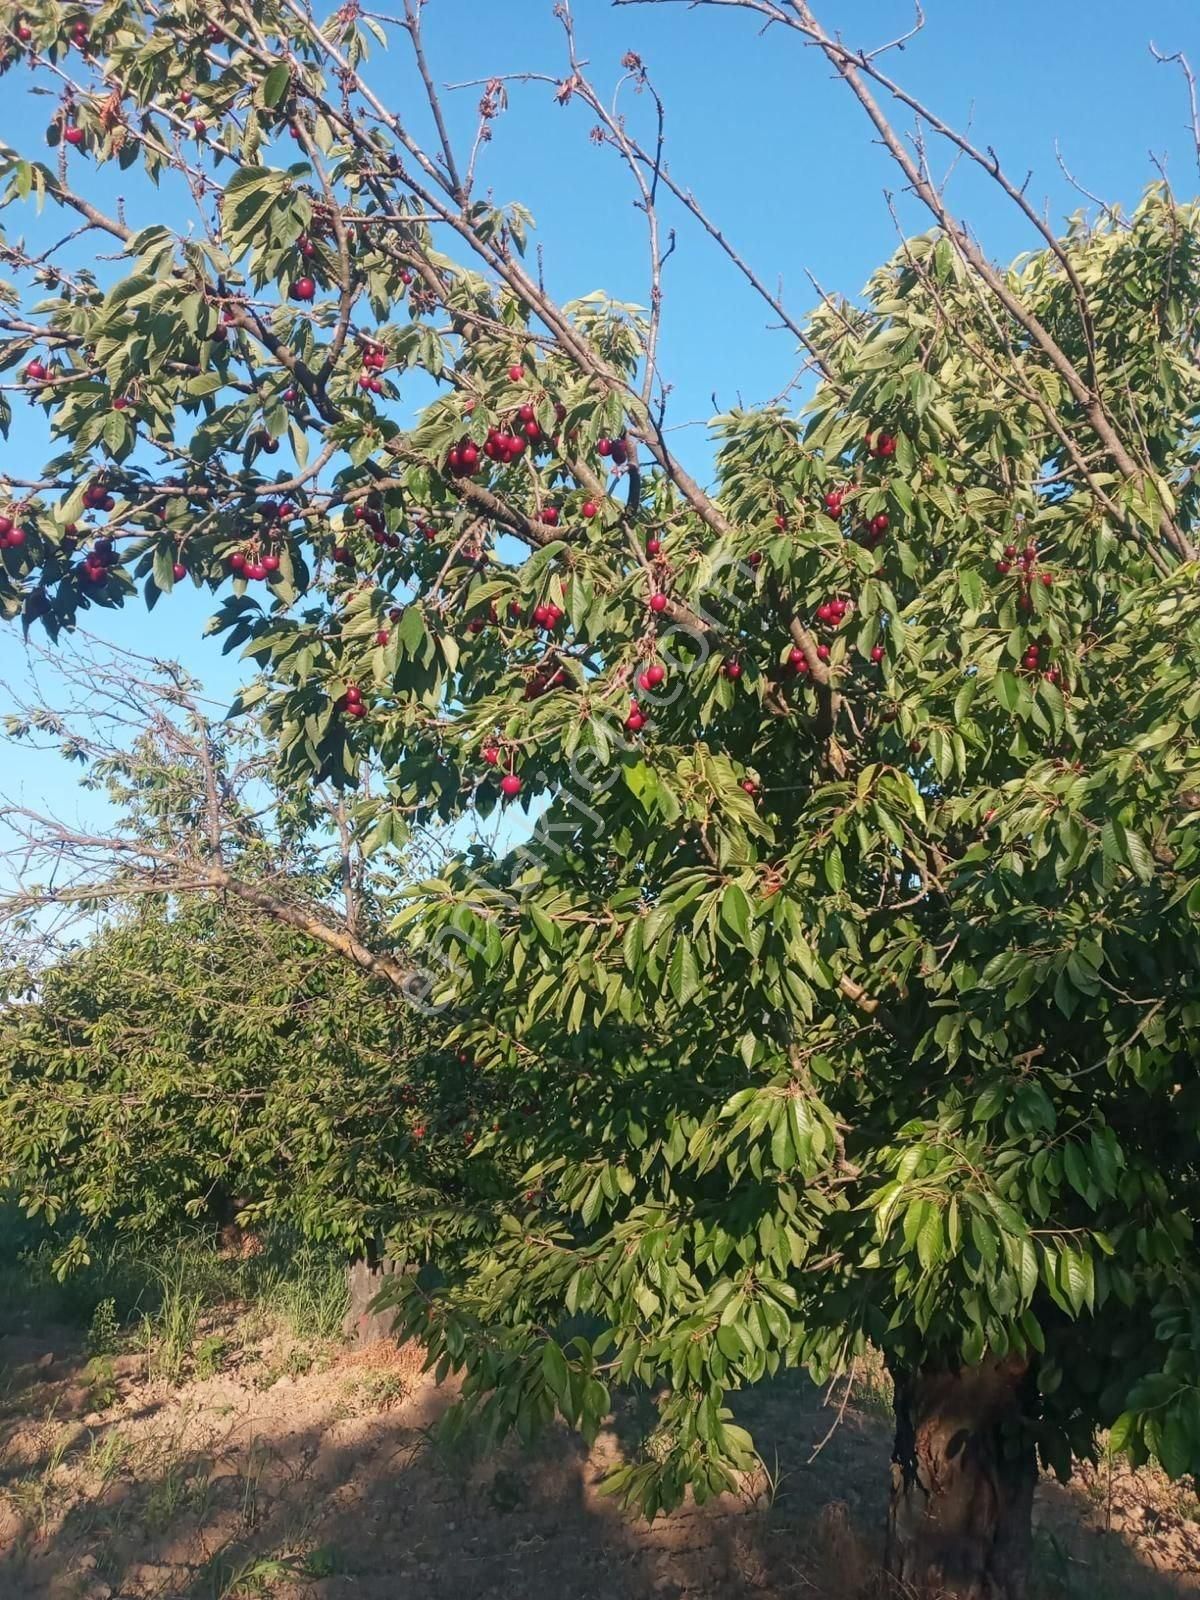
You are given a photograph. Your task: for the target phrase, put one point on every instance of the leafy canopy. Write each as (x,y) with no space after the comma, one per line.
(852,966)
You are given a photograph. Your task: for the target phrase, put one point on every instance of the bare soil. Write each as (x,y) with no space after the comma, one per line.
(310,1471)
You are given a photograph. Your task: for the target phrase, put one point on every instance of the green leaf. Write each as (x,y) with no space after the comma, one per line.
(274,85)
(684,974)
(735,910)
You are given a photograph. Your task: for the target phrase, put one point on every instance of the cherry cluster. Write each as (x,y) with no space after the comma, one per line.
(99,560)
(374,362)
(97,498)
(351,703)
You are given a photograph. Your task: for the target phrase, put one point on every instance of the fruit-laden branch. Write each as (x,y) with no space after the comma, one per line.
(588,361)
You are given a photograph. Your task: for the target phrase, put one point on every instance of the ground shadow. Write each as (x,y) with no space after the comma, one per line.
(331,1484)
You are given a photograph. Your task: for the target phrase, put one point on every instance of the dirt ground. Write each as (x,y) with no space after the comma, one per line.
(309,1471)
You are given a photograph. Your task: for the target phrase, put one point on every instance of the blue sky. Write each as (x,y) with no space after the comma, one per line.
(774,148)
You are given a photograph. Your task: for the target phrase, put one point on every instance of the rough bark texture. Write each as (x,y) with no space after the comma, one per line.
(364,1280)
(963,1476)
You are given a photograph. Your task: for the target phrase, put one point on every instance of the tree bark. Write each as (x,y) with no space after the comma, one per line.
(963,1475)
(364,1279)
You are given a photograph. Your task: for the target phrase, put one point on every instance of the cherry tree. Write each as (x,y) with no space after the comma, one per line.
(851,961)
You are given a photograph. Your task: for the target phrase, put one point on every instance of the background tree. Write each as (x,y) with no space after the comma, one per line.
(852,967)
(171,1055)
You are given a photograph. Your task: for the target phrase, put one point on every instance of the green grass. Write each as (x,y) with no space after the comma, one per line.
(162,1290)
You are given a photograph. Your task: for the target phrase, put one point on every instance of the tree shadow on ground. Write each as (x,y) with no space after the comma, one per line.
(331,1484)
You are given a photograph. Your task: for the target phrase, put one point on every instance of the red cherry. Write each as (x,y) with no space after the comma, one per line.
(877,653)
(418,1132)
(643,680)
(658,602)
(73,135)
(36,372)
(237,561)
(353,693)
(15,538)
(342,555)
(797,659)
(823,652)
(532,431)
(653,546)
(257,571)
(655,675)
(120,402)
(1004,568)
(510,785)
(879,524)
(589,509)
(1010,550)
(604,447)
(749,785)
(755,558)
(780,520)
(1047,579)
(491,755)
(303,289)
(179,571)
(516,373)
(270,563)
(24,32)
(833,502)
(635,721)
(550,515)
(6,527)
(732,669)
(526,413)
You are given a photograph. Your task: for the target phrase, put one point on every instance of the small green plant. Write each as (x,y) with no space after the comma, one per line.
(106,1455)
(173,1330)
(104,1331)
(323,1562)
(380,1391)
(101,1380)
(211,1354)
(299,1362)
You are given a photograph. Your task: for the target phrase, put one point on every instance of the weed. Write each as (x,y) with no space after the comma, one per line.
(104,1331)
(101,1381)
(380,1391)
(299,1362)
(169,1493)
(173,1330)
(211,1354)
(33,1496)
(106,1455)
(257,1459)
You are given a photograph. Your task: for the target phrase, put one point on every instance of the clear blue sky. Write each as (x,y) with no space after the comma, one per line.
(774,149)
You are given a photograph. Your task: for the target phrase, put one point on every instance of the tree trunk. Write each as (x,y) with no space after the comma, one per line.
(963,1475)
(364,1279)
